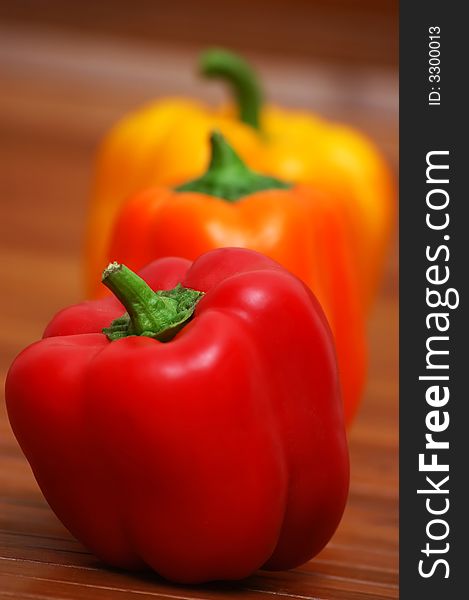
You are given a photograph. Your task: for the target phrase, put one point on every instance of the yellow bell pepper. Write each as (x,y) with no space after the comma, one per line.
(167,142)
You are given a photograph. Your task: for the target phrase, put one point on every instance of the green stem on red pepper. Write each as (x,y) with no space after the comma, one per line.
(217,63)
(227,176)
(158,315)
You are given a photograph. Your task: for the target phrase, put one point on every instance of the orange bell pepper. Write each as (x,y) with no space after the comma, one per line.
(230,205)
(166,143)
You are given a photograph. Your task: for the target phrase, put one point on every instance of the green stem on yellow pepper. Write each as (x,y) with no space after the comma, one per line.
(218,63)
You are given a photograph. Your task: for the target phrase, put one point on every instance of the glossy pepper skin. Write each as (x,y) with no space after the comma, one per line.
(233,206)
(206,457)
(165,143)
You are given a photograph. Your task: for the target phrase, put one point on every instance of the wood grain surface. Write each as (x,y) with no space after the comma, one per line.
(351,31)
(58,94)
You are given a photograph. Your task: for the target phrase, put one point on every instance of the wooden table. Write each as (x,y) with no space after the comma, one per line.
(58,95)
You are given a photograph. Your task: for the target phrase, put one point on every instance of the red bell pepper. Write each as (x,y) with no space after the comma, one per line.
(202,433)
